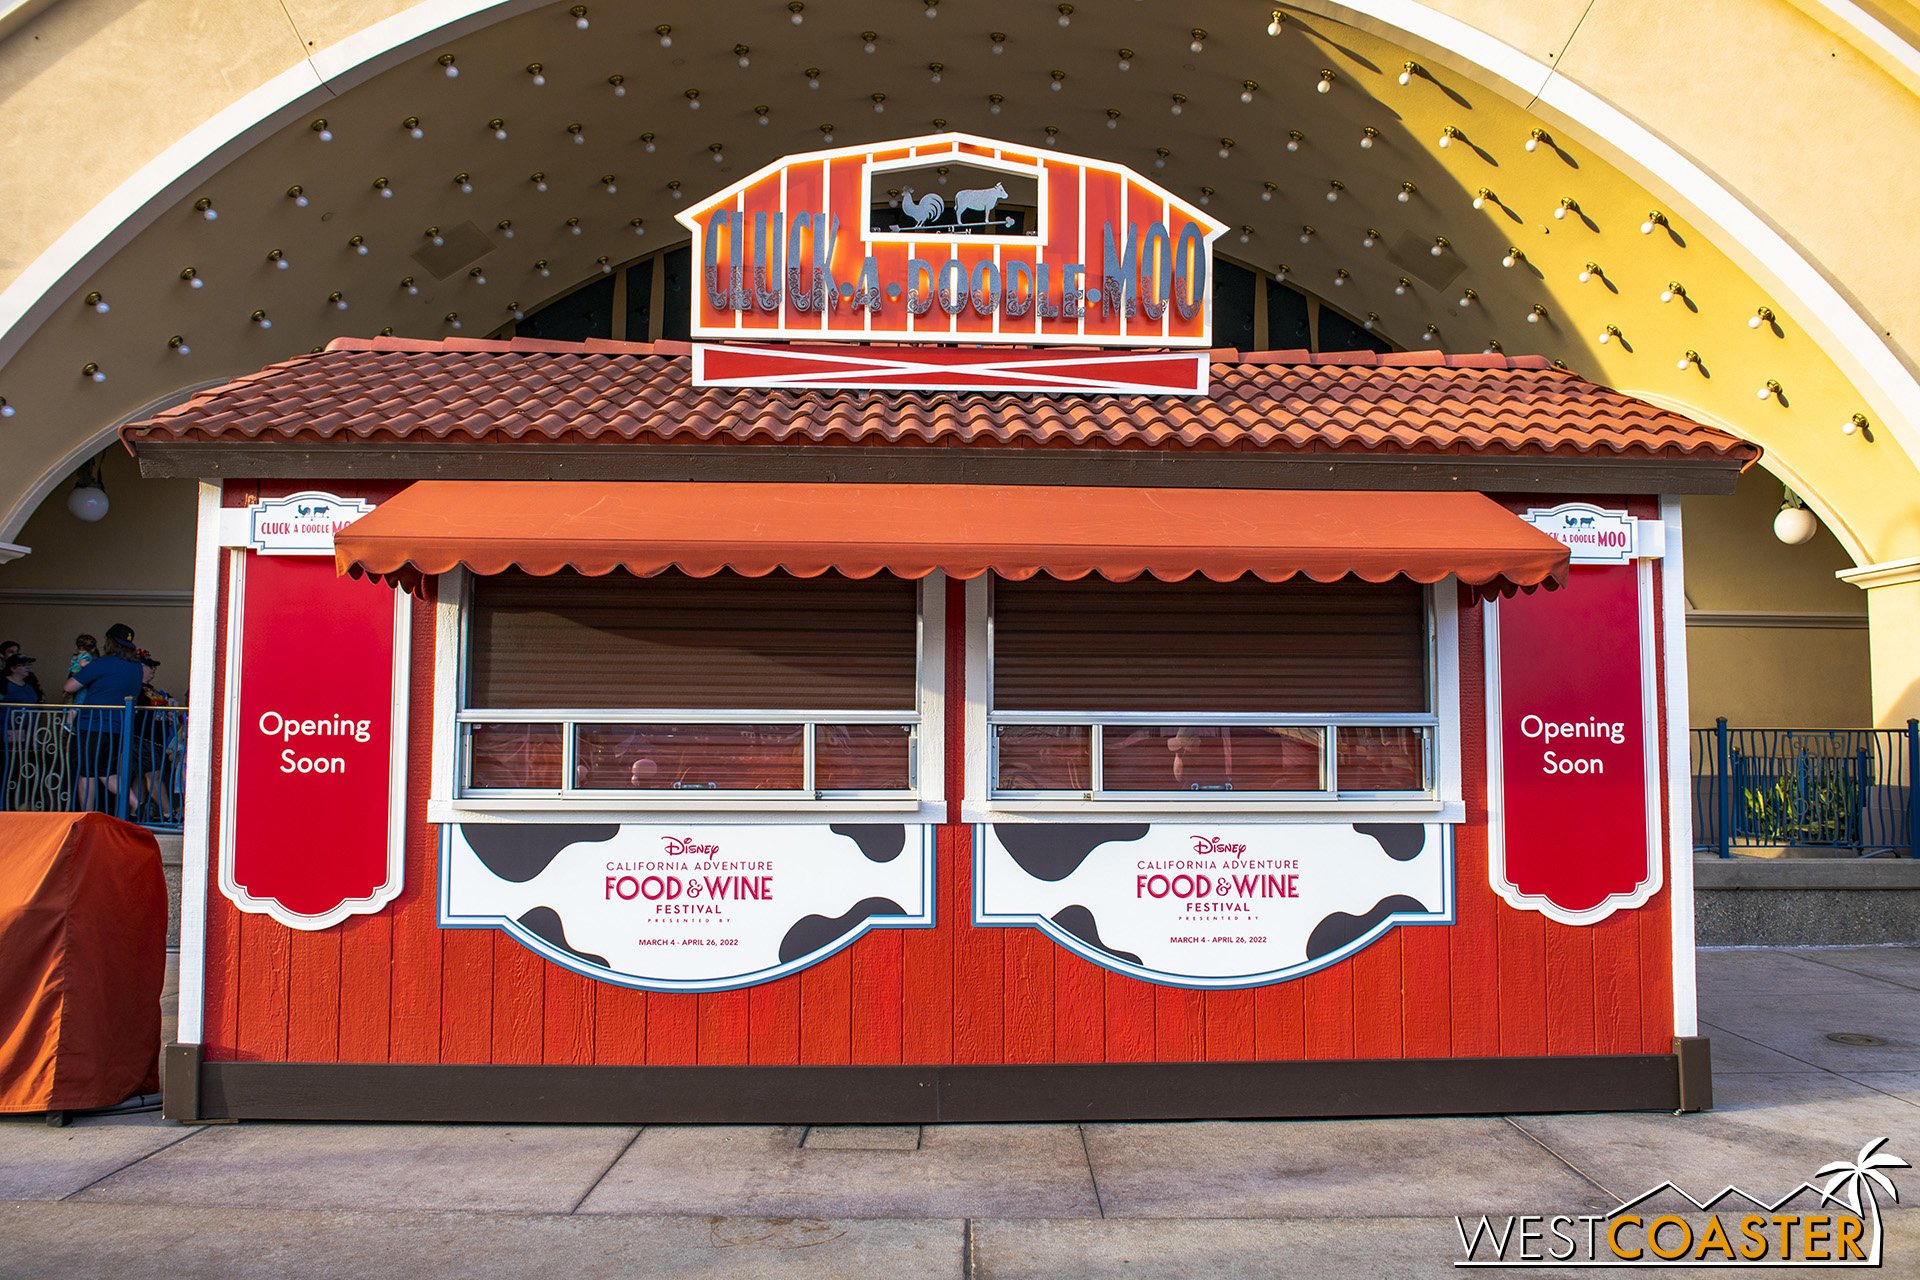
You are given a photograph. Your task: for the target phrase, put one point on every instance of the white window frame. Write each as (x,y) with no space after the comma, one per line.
(1442,802)
(923,801)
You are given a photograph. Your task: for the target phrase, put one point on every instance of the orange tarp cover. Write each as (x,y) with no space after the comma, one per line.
(1015,531)
(83,938)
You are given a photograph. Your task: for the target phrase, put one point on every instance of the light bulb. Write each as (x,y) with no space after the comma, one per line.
(879,103)
(415,132)
(453,320)
(1465,300)
(539,74)
(299,196)
(94,373)
(1685,362)
(933,71)
(98,303)
(579,12)
(619,84)
(1058,79)
(993,105)
(1768,391)
(466,188)
(1340,278)
(1066,15)
(1282,271)
(542,267)
(1246,235)
(1266,193)
(1560,214)
(1439,246)
(1509,259)
(813,78)
(1853,424)
(1533,316)
(500,130)
(1333,193)
(869,42)
(798,10)
(1179,103)
(1666,295)
(453,72)
(1646,228)
(6,410)
(665,33)
(1606,337)
(1534,138)
(1367,136)
(646,143)
(1326,83)
(580,135)
(321,131)
(1406,192)
(573,226)
(611,186)
(1275,22)
(1126,60)
(339,303)
(999,39)
(1371,320)
(363,250)
(1401,286)
(1246,94)
(261,318)
(1406,77)
(1370,239)
(1113,118)
(1199,43)
(479,276)
(204,207)
(1430,334)
(1294,139)
(1306,235)
(438,239)
(1446,140)
(506,228)
(639,227)
(740,56)
(540,184)
(1588,272)
(1481,197)
(413,290)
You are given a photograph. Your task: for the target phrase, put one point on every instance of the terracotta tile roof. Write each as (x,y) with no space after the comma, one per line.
(466,390)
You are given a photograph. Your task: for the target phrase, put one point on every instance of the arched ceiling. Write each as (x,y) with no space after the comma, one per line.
(316,232)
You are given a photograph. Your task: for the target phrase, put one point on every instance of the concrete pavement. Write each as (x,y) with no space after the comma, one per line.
(114,1196)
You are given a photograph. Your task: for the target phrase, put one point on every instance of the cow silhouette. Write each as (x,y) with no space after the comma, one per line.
(981,198)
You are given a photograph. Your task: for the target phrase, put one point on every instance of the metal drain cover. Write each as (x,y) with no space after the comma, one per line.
(1859,1038)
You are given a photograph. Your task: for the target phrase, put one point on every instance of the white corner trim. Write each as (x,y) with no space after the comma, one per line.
(196,825)
(1673,679)
(1888,573)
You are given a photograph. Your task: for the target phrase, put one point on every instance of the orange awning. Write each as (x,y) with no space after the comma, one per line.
(1016,531)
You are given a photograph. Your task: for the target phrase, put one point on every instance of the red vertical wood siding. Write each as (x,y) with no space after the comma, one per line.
(395,987)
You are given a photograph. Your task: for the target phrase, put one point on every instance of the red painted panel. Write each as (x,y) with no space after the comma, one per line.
(620,1023)
(567,1016)
(878,996)
(366,970)
(979,1030)
(466,995)
(1228,1019)
(1028,983)
(1080,1010)
(1523,980)
(673,1029)
(221,1003)
(1378,1031)
(313,997)
(1280,1022)
(723,1028)
(1179,1025)
(773,1023)
(414,988)
(1426,992)
(1572,1002)
(264,977)
(926,962)
(1130,1019)
(519,999)
(1473,944)
(1617,980)
(826,1011)
(1328,996)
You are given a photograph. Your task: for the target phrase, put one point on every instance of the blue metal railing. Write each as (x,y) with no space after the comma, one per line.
(1856,789)
(128,761)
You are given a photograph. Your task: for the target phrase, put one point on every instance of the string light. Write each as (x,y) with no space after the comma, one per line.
(1126,60)
(321,130)
(407,283)
(1589,271)
(1326,81)
(665,32)
(1514,255)
(1199,44)
(276,257)
(1368,136)
(298,195)
(579,13)
(1535,315)
(1687,360)
(204,207)
(96,301)
(1535,137)
(260,318)
(414,130)
(1275,22)
(337,300)
(1408,70)
(93,372)
(1654,219)
(619,84)
(539,74)
(178,345)
(1763,316)
(192,277)
(740,55)
(869,41)
(499,129)
(1673,290)
(1294,139)
(1247,88)
(453,72)
(1611,332)
(1770,390)
(1406,192)
(1567,205)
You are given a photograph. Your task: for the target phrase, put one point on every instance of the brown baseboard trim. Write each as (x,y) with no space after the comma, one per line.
(180,1082)
(1696,1072)
(481,1093)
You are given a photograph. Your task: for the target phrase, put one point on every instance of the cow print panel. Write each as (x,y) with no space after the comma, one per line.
(882,842)
(1051,852)
(1079,922)
(1339,929)
(1398,840)
(544,923)
(810,933)
(520,851)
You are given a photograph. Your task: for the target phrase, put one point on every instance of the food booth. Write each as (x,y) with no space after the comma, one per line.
(947,689)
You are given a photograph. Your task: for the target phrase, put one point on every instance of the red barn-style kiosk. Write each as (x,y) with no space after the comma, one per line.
(946,689)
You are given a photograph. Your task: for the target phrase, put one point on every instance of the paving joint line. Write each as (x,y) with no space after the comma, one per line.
(1092,1177)
(607,1169)
(191,1132)
(1577,1171)
(1761,1044)
(1840,968)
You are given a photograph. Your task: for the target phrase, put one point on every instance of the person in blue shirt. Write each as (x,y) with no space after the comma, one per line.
(103,686)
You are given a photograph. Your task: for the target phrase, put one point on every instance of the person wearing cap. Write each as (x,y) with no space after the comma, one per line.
(15,690)
(154,734)
(103,686)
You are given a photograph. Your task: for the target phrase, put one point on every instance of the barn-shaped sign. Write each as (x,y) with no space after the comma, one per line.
(951,238)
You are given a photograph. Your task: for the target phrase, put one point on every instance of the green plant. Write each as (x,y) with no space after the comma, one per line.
(1814,801)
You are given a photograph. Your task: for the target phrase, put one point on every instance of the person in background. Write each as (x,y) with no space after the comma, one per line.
(154,732)
(8,648)
(85,650)
(104,686)
(14,691)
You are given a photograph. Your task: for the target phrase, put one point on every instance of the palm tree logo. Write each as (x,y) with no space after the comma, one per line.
(1851,1181)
